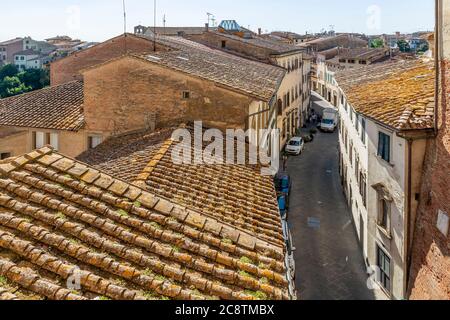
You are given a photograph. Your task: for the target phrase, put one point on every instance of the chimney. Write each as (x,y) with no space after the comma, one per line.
(259,31)
(206,27)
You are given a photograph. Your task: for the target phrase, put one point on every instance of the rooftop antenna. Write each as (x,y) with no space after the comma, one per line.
(164,23)
(154,25)
(209,17)
(124,27)
(124,18)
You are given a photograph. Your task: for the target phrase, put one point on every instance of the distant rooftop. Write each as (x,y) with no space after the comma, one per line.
(7,42)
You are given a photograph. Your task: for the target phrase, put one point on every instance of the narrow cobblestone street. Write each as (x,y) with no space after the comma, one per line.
(329,263)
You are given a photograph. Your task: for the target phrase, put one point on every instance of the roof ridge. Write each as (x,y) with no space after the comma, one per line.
(152,164)
(132,192)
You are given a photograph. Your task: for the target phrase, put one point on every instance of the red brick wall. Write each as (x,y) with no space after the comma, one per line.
(67,69)
(120,95)
(430,272)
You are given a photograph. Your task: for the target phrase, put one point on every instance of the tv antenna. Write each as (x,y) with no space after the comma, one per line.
(154,25)
(164,24)
(124,18)
(209,17)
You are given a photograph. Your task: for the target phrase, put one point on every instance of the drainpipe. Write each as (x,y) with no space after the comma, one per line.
(437,58)
(406,244)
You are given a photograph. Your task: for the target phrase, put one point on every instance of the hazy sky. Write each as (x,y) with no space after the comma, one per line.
(98,20)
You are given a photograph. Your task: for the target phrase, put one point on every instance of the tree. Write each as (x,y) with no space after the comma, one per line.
(11,86)
(377,43)
(13,82)
(424,47)
(9,70)
(35,78)
(403,45)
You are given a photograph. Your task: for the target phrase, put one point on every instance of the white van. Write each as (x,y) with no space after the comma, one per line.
(329,120)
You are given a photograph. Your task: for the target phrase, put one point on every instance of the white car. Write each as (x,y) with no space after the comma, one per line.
(295,146)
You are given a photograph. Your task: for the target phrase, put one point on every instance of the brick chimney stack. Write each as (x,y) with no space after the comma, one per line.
(206,27)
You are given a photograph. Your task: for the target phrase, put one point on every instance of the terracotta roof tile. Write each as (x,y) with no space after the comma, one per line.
(252,78)
(236,194)
(275,46)
(58,107)
(119,241)
(398,94)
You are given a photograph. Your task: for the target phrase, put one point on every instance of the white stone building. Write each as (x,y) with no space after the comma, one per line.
(386,113)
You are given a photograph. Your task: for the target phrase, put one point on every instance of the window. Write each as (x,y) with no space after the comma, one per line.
(22,58)
(17,58)
(384,213)
(54,141)
(40,139)
(224,44)
(363,188)
(357,123)
(5,155)
(384,264)
(186,94)
(384,146)
(363,133)
(351,153)
(94,141)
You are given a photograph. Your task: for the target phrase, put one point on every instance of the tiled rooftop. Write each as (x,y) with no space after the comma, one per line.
(126,156)
(364,53)
(398,94)
(236,194)
(342,40)
(63,222)
(276,46)
(248,77)
(58,107)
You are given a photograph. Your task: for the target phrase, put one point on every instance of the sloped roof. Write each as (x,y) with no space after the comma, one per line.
(276,47)
(28,52)
(63,222)
(236,194)
(342,40)
(176,31)
(58,107)
(364,53)
(399,94)
(8,42)
(252,78)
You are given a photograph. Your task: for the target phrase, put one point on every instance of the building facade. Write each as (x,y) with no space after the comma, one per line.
(382,154)
(29,59)
(68,69)
(8,49)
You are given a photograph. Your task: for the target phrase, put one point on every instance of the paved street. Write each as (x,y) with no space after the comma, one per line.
(328,259)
